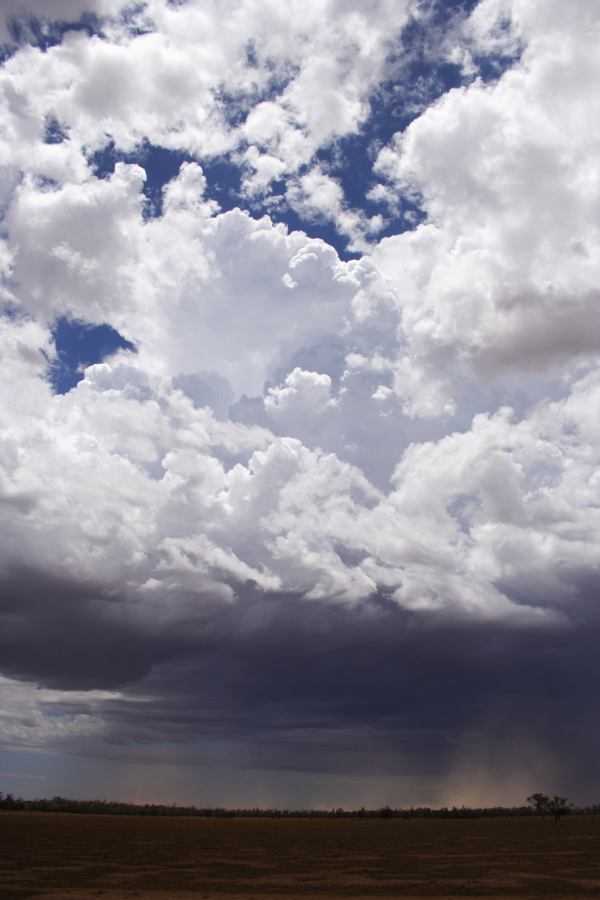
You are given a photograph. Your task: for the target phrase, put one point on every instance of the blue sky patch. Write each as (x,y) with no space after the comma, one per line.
(160,164)
(79,344)
(54,133)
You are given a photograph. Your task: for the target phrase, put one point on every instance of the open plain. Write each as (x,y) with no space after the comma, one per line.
(168,858)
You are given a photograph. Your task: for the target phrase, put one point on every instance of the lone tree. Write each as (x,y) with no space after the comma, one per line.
(539,802)
(555,806)
(558,806)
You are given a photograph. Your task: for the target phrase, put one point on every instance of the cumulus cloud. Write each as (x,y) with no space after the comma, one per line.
(503,273)
(337,503)
(299,78)
(316,195)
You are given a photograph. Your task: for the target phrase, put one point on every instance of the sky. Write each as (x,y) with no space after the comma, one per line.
(299,432)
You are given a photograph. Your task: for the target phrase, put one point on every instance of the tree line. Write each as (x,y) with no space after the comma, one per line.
(537,804)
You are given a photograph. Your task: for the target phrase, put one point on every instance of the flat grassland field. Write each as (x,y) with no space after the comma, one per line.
(56,855)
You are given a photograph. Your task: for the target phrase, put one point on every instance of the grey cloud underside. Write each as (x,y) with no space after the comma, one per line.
(70,635)
(273,682)
(330,515)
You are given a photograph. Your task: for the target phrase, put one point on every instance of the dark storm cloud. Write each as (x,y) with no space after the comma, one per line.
(283,683)
(70,635)
(398,692)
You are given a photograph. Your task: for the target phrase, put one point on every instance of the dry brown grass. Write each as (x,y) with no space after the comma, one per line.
(69,856)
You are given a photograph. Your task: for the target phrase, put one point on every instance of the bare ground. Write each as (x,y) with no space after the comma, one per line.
(53,856)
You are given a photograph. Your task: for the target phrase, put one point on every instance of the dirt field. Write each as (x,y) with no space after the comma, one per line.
(70,856)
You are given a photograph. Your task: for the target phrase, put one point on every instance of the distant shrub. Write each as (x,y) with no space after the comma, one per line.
(555,806)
